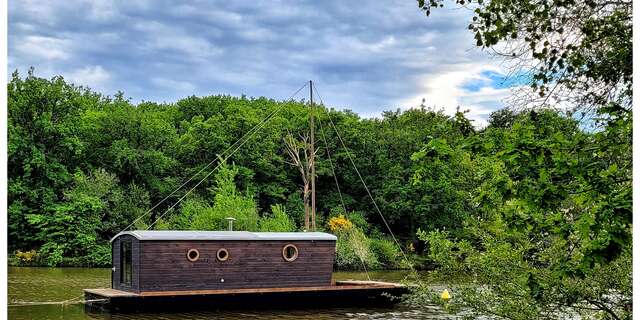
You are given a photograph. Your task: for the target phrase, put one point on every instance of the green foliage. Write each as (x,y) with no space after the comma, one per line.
(353,251)
(358,220)
(198,214)
(44,149)
(503,118)
(228,202)
(357,251)
(387,253)
(278,221)
(552,217)
(71,229)
(444,175)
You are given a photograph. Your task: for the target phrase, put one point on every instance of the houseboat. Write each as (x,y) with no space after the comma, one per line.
(226,269)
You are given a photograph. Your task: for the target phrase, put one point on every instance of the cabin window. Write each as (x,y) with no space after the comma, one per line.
(290,252)
(126,267)
(193,255)
(222,254)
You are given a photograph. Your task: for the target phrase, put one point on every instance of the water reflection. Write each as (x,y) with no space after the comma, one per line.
(58,284)
(366,313)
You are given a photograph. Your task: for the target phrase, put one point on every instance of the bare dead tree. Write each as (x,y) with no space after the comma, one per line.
(301,157)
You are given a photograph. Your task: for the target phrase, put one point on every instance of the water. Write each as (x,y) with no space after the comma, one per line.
(29,285)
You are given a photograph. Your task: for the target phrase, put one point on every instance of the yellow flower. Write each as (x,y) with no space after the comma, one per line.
(26,256)
(339,223)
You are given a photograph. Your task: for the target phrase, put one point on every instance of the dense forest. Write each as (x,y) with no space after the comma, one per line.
(83,166)
(533,184)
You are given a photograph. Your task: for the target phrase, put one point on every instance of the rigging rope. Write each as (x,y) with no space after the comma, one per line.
(335,177)
(248,136)
(375,204)
(248,133)
(63,303)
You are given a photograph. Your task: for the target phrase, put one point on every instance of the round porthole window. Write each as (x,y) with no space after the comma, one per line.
(290,252)
(222,254)
(193,255)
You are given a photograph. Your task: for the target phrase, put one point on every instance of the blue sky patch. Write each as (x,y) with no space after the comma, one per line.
(496,80)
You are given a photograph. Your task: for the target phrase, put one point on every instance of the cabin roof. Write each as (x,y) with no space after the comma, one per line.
(224,235)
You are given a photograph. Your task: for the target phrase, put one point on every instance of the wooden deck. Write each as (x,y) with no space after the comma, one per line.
(110,293)
(339,285)
(340,293)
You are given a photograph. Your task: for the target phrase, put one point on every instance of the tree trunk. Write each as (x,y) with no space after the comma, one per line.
(305,199)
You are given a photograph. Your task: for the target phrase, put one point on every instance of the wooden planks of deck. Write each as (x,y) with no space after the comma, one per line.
(339,286)
(110,293)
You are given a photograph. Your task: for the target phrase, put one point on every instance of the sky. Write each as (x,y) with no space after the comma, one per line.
(366,56)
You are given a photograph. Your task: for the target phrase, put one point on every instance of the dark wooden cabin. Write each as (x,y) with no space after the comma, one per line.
(146,261)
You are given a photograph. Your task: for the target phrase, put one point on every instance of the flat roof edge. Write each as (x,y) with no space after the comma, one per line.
(179,235)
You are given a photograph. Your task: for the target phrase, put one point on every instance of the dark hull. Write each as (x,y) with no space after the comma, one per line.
(342,294)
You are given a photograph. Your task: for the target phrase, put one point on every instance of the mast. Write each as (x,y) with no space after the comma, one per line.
(313,161)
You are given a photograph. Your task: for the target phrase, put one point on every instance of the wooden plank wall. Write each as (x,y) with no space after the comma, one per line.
(135,261)
(251,264)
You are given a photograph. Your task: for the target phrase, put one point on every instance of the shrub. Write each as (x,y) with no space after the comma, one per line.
(278,221)
(51,254)
(353,248)
(198,214)
(386,252)
(99,255)
(228,202)
(358,220)
(339,224)
(26,258)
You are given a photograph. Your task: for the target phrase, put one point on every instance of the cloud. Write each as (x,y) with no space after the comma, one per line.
(42,47)
(369,56)
(92,76)
(160,37)
(464,85)
(180,86)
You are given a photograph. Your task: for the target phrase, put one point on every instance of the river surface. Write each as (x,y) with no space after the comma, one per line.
(28,286)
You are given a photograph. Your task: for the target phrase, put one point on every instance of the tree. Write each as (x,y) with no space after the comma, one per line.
(443,177)
(502,118)
(554,207)
(44,148)
(576,53)
(552,216)
(198,213)
(73,229)
(277,221)
(302,157)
